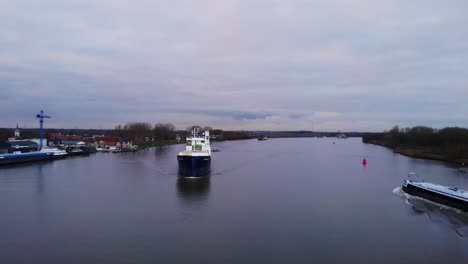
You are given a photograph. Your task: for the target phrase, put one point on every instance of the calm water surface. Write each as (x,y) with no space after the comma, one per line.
(275,201)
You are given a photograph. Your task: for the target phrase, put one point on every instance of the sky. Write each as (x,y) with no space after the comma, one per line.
(335,65)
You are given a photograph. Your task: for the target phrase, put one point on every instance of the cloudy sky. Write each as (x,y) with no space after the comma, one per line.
(360,65)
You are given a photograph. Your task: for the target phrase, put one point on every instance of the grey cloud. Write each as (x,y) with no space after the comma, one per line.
(297,116)
(237,115)
(237,64)
(251,116)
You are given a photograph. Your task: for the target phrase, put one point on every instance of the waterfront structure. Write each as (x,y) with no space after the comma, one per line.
(59,139)
(20,151)
(17,132)
(16,135)
(195,160)
(109,141)
(41,117)
(22,146)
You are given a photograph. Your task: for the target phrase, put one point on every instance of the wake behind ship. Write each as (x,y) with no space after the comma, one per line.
(195,160)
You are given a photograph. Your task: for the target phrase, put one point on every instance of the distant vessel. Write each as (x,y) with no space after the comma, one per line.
(13,158)
(342,136)
(262,138)
(75,151)
(195,160)
(450,196)
(213,149)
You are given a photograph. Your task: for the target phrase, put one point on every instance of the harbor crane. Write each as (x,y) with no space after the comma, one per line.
(41,117)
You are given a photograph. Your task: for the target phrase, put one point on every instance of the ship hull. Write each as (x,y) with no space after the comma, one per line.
(435,196)
(59,156)
(194,166)
(24,158)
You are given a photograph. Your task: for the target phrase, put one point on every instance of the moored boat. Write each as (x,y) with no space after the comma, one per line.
(107,149)
(450,196)
(262,138)
(195,160)
(116,150)
(56,153)
(89,149)
(75,150)
(13,158)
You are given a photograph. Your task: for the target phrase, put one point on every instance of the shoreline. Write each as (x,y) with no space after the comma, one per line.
(152,144)
(419,153)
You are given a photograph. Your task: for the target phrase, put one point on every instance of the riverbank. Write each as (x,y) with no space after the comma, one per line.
(448,144)
(159,143)
(419,152)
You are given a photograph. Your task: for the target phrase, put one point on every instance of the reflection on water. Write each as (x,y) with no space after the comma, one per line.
(453,218)
(40,179)
(193,188)
(162,150)
(193,194)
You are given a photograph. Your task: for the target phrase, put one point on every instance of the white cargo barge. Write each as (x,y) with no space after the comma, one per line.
(450,196)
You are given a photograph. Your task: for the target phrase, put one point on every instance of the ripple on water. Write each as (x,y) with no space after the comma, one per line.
(438,213)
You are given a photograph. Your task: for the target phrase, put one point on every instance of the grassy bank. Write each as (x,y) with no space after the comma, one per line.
(448,144)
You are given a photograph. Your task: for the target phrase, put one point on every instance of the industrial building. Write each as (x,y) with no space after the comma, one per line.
(18,145)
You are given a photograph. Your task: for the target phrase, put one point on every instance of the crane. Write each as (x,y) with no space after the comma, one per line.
(41,117)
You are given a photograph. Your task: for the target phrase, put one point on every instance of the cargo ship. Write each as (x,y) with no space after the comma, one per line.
(195,160)
(450,196)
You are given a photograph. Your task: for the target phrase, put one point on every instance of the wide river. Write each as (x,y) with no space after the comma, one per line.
(303,200)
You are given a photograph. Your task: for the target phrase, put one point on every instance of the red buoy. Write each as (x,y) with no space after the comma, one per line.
(364,162)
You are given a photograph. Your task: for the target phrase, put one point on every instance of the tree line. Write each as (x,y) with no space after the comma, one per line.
(166,131)
(136,131)
(145,131)
(9,133)
(450,142)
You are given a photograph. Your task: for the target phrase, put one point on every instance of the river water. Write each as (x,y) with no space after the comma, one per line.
(277,201)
